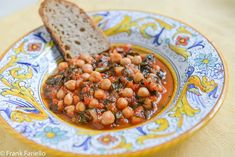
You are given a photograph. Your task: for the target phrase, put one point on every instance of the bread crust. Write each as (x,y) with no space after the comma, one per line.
(55,37)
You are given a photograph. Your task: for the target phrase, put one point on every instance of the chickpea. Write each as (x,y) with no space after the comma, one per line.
(129,56)
(63,66)
(85,76)
(95,77)
(86,57)
(136,70)
(72,61)
(53,92)
(87,68)
(118,70)
(152,86)
(68,99)
(79,62)
(159,88)
(142,55)
(128,112)
(123,121)
(71,84)
(100,106)
(80,106)
(60,105)
(157,68)
(137,60)
(74,120)
(90,60)
(107,118)
(70,110)
(105,84)
(127,92)
(93,103)
(138,77)
(111,107)
(76,99)
(94,115)
(139,111)
(143,92)
(125,61)
(133,68)
(147,103)
(78,83)
(99,94)
(136,120)
(115,57)
(60,94)
(129,84)
(149,80)
(122,103)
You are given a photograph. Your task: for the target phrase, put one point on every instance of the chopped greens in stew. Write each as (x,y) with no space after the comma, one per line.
(119,87)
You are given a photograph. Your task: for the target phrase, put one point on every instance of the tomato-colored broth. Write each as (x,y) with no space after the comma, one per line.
(168,84)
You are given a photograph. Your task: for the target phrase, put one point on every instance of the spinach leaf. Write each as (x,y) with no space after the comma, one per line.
(55,80)
(102,69)
(117,86)
(84,117)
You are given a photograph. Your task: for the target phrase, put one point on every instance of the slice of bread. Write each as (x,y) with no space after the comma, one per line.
(72,29)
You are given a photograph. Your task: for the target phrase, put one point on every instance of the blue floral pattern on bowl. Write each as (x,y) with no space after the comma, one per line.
(51,135)
(200,80)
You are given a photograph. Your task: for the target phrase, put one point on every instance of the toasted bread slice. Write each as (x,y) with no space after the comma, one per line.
(72,29)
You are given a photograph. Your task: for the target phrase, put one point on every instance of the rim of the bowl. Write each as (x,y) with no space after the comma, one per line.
(145,151)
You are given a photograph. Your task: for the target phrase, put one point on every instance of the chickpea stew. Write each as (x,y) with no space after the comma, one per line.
(114,89)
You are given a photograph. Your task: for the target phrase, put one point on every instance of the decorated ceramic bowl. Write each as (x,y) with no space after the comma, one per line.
(196,66)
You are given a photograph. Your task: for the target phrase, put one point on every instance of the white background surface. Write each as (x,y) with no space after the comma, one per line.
(214,18)
(8,7)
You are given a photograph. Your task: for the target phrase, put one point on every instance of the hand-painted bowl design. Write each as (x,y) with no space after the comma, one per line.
(199,76)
